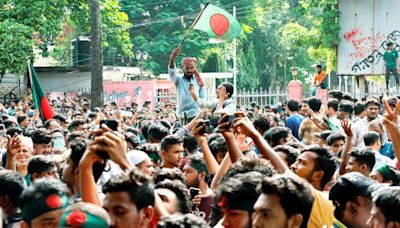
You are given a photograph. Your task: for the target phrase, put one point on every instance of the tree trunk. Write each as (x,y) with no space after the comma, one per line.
(97,56)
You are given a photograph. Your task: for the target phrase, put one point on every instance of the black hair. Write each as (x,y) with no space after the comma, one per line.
(47,123)
(293,105)
(75,135)
(325,162)
(153,150)
(314,103)
(275,134)
(169,141)
(40,163)
(218,146)
(294,194)
(185,220)
(139,187)
(144,126)
(74,124)
(21,118)
(334,137)
(78,148)
(290,152)
(14,130)
(12,184)
(132,138)
(371,137)
(319,66)
(229,88)
(181,192)
(41,136)
(157,132)
(166,173)
(198,161)
(190,143)
(246,164)
(333,103)
(364,157)
(359,107)
(387,200)
(261,122)
(60,118)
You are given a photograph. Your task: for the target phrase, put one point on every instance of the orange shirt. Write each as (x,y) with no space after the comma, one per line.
(319,78)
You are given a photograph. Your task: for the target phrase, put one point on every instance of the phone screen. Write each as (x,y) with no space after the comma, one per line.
(112,124)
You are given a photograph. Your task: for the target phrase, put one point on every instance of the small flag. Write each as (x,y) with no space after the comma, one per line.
(219,24)
(39,98)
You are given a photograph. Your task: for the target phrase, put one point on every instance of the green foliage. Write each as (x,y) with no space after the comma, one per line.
(15,47)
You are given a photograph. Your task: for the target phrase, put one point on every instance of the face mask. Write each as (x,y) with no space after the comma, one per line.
(59,143)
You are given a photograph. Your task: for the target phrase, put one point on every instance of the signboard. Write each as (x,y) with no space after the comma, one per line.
(366,28)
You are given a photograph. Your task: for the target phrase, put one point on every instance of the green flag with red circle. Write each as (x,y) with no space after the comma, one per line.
(219,24)
(38,96)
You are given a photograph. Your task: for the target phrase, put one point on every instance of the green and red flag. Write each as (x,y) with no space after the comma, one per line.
(218,23)
(39,98)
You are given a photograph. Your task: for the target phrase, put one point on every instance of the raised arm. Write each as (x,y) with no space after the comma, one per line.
(247,128)
(344,158)
(227,131)
(171,66)
(211,162)
(223,168)
(390,122)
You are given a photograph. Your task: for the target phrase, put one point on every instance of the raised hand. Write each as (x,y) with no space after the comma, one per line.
(391,115)
(347,128)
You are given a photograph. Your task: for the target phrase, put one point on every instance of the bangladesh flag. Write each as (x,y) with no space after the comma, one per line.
(39,98)
(219,24)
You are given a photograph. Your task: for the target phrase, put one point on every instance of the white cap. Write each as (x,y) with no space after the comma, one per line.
(137,156)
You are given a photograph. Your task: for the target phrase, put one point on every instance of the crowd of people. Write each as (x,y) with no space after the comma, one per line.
(198,164)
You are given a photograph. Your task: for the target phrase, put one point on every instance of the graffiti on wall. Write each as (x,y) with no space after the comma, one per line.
(368,50)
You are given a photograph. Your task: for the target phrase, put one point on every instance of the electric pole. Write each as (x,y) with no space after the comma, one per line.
(96,52)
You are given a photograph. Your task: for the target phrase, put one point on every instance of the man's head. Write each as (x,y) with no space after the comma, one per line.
(236,198)
(51,124)
(278,136)
(225,90)
(337,94)
(174,195)
(372,140)
(142,161)
(376,126)
(129,200)
(24,151)
(156,133)
(372,107)
(185,220)
(41,166)
(390,46)
(196,172)
(314,103)
(85,215)
(23,121)
(190,144)
(43,203)
(386,174)
(318,68)
(292,106)
(345,110)
(76,125)
(359,109)
(11,186)
(41,142)
(188,66)
(261,123)
(172,151)
(285,201)
(288,154)
(71,172)
(351,195)
(218,148)
(335,141)
(386,206)
(316,165)
(332,107)
(361,160)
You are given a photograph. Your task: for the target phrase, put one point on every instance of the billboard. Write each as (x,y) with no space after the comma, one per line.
(366,28)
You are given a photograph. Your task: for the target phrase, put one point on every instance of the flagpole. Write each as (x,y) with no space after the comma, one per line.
(30,72)
(193,24)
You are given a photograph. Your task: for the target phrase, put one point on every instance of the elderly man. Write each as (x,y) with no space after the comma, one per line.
(187,108)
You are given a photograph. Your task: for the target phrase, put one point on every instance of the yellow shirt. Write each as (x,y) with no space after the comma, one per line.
(322,211)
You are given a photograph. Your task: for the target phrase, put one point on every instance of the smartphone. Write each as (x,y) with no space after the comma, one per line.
(194,192)
(206,127)
(112,124)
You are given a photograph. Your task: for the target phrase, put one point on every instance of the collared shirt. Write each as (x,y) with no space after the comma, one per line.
(229,106)
(359,129)
(186,106)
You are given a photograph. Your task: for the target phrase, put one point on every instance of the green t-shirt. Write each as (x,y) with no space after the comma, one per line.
(390,58)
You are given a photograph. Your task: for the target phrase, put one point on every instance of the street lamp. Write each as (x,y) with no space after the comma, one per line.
(294,72)
(141,57)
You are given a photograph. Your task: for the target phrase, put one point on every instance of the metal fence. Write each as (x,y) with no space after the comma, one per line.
(243,98)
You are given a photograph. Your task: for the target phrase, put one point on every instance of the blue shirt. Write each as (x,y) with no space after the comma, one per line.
(185,102)
(387,150)
(293,123)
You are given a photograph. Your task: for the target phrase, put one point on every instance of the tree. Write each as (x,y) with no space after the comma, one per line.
(15,47)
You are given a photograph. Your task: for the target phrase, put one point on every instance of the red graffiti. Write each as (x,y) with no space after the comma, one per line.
(349,35)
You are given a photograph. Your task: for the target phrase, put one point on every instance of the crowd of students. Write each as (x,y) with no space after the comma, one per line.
(296,164)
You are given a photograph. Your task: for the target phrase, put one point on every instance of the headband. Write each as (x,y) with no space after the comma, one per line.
(78,218)
(37,207)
